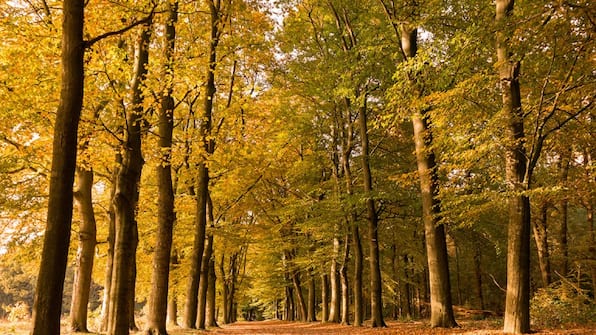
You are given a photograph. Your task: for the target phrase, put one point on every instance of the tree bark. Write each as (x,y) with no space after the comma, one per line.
(107,290)
(126,199)
(345,288)
(436,245)
(335,286)
(158,299)
(517,302)
(210,314)
(312,313)
(541,239)
(203,282)
(52,270)
(85,253)
(357,288)
(324,297)
(376,283)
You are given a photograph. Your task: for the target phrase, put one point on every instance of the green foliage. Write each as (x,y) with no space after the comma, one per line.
(562,303)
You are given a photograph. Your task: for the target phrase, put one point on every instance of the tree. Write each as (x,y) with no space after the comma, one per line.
(126,197)
(158,301)
(48,294)
(86,250)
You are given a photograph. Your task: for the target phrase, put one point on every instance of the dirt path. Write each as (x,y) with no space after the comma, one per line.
(409,328)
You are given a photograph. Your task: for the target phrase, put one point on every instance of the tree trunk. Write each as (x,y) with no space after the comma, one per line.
(436,245)
(357,288)
(335,286)
(345,288)
(203,173)
(85,253)
(541,239)
(52,270)
(517,303)
(190,311)
(203,283)
(312,313)
(126,200)
(478,274)
(324,297)
(172,318)
(158,299)
(376,283)
(406,300)
(564,207)
(289,305)
(210,313)
(107,290)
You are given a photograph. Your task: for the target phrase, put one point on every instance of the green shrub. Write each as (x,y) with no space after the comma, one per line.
(561,303)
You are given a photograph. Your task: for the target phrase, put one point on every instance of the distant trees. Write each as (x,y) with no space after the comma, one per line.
(400,131)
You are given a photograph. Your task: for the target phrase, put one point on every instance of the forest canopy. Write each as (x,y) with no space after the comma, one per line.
(204,161)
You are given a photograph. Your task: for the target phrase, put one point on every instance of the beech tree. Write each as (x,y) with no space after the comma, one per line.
(50,282)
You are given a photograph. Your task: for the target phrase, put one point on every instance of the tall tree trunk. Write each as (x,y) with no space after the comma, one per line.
(203,283)
(345,288)
(85,253)
(541,239)
(289,305)
(210,313)
(312,313)
(158,299)
(436,245)
(52,270)
(335,286)
(107,290)
(406,301)
(192,293)
(376,283)
(357,287)
(324,297)
(478,274)
(517,303)
(126,199)
(203,172)
(564,207)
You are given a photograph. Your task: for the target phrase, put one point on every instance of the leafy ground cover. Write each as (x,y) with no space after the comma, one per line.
(273,327)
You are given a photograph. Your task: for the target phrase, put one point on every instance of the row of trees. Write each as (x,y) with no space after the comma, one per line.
(401,134)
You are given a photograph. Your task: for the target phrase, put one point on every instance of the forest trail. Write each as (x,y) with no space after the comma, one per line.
(274,327)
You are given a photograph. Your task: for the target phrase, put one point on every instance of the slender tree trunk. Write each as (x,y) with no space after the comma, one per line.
(158,300)
(436,245)
(517,303)
(172,318)
(564,207)
(203,283)
(85,253)
(345,288)
(357,288)
(126,200)
(312,313)
(210,313)
(192,294)
(335,285)
(324,297)
(541,239)
(478,274)
(376,283)
(107,291)
(52,270)
(406,301)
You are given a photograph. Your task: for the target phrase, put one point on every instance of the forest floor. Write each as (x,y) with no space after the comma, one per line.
(274,327)
(393,327)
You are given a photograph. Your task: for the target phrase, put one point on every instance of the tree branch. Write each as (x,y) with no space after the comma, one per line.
(148,18)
